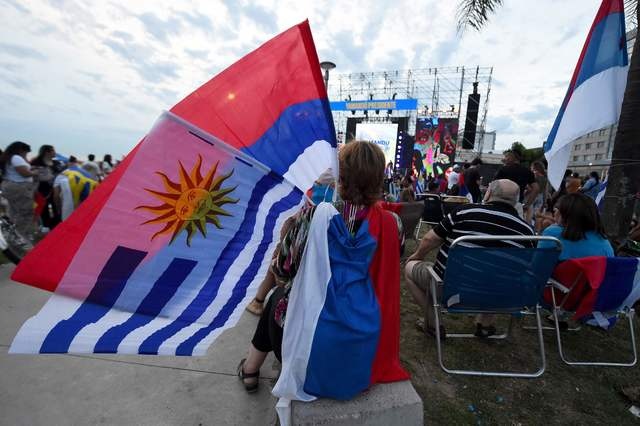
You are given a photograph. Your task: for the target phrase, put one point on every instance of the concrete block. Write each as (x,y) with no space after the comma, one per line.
(383,405)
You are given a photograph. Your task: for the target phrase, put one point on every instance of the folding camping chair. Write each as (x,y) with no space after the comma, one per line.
(595,288)
(506,279)
(410,214)
(432,212)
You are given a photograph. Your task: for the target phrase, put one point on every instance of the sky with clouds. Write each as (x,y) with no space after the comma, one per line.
(92,76)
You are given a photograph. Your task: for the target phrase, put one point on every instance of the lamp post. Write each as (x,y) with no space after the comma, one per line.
(327,66)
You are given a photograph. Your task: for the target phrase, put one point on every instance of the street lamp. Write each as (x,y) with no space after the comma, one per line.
(327,66)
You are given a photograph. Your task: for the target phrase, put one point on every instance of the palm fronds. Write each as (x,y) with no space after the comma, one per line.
(475,13)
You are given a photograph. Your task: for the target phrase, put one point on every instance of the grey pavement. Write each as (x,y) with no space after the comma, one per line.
(124,390)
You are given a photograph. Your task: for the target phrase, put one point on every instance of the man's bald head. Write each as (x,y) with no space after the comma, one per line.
(503,190)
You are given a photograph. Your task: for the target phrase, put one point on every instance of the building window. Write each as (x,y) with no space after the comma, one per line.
(575,158)
(600,144)
(586,157)
(598,156)
(587,146)
(602,132)
(577,147)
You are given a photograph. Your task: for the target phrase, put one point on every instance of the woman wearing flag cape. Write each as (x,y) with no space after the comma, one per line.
(333,320)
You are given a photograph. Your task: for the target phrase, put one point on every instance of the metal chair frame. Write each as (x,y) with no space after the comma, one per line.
(438,309)
(629,313)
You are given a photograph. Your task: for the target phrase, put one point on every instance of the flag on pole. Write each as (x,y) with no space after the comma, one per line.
(166,253)
(601,193)
(595,92)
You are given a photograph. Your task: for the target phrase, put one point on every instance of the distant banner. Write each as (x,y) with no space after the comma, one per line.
(380,104)
(435,146)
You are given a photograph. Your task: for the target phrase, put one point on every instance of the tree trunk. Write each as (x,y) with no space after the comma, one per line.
(624,172)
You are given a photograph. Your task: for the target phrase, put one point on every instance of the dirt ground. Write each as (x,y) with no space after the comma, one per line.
(563,395)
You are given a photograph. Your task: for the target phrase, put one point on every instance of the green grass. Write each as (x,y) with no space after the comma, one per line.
(563,395)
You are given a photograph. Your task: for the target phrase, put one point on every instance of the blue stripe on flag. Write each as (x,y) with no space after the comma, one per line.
(297,128)
(229,254)
(607,48)
(105,292)
(161,292)
(240,290)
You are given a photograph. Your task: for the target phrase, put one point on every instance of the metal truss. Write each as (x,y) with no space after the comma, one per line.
(441,92)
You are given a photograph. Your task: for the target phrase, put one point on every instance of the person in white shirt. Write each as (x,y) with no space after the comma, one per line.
(18,187)
(454,176)
(92,168)
(106,166)
(70,188)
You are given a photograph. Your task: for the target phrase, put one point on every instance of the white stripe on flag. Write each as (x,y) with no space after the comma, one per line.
(601,193)
(201,348)
(309,165)
(306,301)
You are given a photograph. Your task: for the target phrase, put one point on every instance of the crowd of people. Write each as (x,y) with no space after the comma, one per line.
(44,190)
(519,201)
(536,200)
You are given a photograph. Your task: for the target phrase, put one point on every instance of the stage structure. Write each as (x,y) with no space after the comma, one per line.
(433,112)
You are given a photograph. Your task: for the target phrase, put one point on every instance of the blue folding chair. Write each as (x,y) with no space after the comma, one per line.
(505,278)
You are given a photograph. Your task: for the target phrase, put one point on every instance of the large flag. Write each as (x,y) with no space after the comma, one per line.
(167,251)
(595,93)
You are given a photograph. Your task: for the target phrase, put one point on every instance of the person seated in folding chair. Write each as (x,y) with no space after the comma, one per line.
(497,216)
(578,227)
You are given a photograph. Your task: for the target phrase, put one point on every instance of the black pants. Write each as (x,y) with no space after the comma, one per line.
(268,335)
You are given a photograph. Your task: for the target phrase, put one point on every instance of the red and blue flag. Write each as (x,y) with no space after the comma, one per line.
(596,89)
(165,254)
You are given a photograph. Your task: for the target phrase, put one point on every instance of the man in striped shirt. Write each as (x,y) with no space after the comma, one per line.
(497,216)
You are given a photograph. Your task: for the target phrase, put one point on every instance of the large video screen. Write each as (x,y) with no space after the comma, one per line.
(384,135)
(435,146)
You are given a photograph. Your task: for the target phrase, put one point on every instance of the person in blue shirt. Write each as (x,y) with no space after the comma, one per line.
(578,227)
(592,186)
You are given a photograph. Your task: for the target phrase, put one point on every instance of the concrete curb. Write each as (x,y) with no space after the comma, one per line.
(383,405)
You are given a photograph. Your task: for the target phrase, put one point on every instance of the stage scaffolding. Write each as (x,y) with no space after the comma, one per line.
(441,92)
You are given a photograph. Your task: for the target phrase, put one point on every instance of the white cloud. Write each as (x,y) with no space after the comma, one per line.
(93,76)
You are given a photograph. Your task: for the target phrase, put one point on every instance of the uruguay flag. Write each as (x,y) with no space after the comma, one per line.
(595,93)
(165,254)
(341,330)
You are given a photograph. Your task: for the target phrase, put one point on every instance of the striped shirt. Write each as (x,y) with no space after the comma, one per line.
(494,218)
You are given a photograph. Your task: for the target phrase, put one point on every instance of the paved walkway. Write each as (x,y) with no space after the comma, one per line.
(124,390)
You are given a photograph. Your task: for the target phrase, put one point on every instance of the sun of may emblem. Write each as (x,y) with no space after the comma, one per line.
(190,204)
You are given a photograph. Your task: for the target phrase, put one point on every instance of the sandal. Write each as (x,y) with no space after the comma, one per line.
(249,387)
(256,306)
(484,332)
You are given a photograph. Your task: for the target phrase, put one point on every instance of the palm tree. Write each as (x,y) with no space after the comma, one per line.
(624,171)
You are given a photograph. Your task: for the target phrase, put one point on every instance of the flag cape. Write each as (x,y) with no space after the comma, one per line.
(595,92)
(342,328)
(598,285)
(164,254)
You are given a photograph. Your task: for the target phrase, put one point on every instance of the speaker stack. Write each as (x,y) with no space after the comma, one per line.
(471,121)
